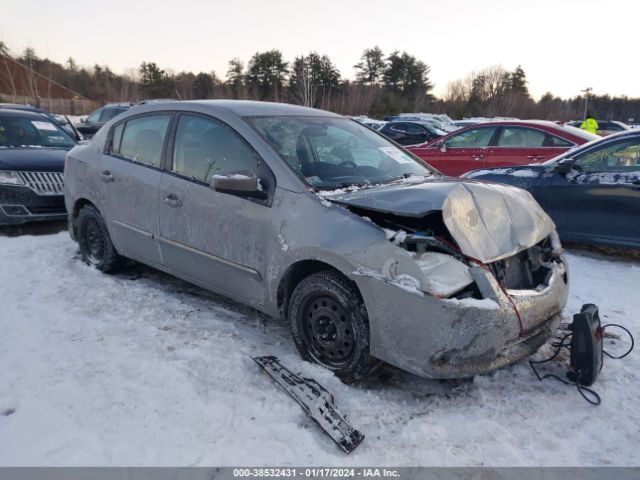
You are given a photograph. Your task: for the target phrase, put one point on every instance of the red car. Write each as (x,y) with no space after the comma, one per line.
(499,144)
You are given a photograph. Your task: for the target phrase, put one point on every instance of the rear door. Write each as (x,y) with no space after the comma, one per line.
(599,200)
(219,240)
(521,146)
(129,175)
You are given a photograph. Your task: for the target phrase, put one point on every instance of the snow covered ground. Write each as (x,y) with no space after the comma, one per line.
(143,369)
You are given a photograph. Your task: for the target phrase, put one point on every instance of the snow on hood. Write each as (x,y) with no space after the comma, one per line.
(488,221)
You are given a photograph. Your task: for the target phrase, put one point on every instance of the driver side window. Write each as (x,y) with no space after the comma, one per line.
(205,147)
(472,138)
(621,156)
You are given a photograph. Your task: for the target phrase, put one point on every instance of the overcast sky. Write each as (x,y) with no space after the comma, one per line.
(563,45)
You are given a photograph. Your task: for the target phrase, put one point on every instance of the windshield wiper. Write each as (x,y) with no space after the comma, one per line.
(344,185)
(404,177)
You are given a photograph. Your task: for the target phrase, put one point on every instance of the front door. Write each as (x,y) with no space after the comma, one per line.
(600,198)
(464,151)
(129,176)
(216,239)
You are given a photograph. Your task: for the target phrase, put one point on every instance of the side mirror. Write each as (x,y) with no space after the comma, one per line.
(563,167)
(237,183)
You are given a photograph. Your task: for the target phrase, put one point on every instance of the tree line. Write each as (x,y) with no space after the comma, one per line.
(384,84)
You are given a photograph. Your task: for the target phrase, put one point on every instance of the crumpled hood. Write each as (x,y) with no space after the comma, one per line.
(488,221)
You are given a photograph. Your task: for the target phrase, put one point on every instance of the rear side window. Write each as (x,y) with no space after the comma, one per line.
(116,138)
(521,137)
(558,142)
(142,139)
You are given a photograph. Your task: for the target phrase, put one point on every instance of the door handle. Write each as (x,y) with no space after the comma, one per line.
(173,201)
(536,157)
(107,176)
(478,157)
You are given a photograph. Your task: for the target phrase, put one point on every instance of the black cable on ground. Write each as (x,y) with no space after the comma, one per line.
(588,394)
(604,327)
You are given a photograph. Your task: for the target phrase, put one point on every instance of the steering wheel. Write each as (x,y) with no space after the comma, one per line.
(346,163)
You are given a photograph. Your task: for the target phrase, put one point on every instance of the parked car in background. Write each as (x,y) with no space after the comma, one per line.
(248,199)
(441,122)
(410,133)
(61,120)
(592,193)
(32,152)
(605,127)
(499,144)
(370,122)
(90,125)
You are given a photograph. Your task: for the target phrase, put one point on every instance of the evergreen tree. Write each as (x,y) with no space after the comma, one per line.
(203,85)
(154,82)
(371,68)
(519,81)
(235,77)
(266,74)
(313,79)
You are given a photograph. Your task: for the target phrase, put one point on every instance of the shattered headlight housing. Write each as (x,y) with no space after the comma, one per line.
(10,178)
(443,275)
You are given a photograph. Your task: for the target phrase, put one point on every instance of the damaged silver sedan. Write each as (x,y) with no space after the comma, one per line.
(366,252)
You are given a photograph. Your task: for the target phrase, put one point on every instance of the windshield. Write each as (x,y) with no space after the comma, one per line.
(330,153)
(31,131)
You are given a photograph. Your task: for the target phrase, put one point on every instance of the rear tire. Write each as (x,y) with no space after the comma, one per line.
(95,243)
(329,325)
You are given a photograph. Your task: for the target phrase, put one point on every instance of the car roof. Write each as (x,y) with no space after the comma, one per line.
(9,112)
(116,105)
(523,123)
(242,108)
(22,107)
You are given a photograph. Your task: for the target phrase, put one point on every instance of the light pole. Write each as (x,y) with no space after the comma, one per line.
(586,92)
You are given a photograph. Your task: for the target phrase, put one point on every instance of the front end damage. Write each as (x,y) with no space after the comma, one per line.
(490,285)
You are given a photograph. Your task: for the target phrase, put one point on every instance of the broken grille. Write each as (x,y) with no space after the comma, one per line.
(44,183)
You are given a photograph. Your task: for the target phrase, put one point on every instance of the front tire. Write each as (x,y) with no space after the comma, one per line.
(329,325)
(95,243)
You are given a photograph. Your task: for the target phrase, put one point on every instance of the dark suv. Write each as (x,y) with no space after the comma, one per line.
(89,126)
(410,133)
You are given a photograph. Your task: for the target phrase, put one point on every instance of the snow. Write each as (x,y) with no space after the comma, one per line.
(483,304)
(283,244)
(140,368)
(525,173)
(604,178)
(403,281)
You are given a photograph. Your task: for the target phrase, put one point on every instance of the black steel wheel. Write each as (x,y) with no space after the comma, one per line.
(95,243)
(327,330)
(329,325)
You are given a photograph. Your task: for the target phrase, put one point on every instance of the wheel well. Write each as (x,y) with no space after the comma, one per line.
(74,215)
(294,275)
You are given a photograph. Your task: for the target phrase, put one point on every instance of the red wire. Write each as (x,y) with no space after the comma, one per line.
(504,290)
